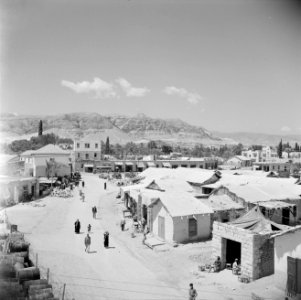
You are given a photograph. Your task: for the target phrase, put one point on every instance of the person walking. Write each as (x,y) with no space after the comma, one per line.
(106,239)
(89,228)
(95,212)
(105,185)
(87,243)
(122,224)
(77,226)
(83,184)
(192,292)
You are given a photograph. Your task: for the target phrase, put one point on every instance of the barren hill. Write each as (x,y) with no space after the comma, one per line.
(120,129)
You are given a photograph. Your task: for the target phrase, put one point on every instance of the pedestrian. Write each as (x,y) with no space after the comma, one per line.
(89,228)
(122,224)
(87,243)
(105,185)
(95,212)
(143,223)
(77,226)
(106,239)
(192,292)
(83,184)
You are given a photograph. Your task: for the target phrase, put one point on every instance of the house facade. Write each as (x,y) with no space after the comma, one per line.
(47,161)
(86,154)
(174,226)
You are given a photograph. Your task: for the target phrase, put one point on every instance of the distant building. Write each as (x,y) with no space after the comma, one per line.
(283,167)
(239,161)
(266,154)
(47,161)
(87,154)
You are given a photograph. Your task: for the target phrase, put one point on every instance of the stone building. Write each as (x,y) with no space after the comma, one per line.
(249,240)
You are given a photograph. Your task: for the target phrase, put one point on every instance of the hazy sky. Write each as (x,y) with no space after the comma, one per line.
(222,64)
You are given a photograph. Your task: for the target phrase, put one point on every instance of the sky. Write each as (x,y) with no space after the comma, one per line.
(226,65)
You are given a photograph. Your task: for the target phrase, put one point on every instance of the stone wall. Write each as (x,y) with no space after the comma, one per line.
(257,251)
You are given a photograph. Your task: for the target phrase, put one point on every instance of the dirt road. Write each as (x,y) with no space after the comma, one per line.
(128,269)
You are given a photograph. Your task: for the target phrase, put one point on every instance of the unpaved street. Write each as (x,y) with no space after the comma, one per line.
(128,269)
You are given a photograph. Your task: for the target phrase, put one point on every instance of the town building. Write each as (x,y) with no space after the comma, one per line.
(239,161)
(265,154)
(248,239)
(283,167)
(87,154)
(48,161)
(15,189)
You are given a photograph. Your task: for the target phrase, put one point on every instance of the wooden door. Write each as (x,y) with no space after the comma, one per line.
(161,227)
(291,285)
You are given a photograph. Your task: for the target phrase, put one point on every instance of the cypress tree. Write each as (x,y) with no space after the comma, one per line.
(40,128)
(107,148)
(280,149)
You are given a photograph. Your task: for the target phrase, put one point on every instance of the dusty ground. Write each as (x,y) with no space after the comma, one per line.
(128,269)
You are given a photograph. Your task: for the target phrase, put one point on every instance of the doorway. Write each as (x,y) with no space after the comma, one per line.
(233,251)
(285,216)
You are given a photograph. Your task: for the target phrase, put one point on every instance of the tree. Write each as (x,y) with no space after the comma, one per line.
(238,149)
(280,149)
(40,128)
(166,149)
(297,147)
(107,148)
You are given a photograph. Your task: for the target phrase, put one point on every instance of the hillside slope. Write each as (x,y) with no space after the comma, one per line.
(120,129)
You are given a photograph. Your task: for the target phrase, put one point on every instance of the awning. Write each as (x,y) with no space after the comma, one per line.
(151,164)
(118,164)
(103,167)
(129,164)
(166,165)
(140,165)
(275,204)
(88,166)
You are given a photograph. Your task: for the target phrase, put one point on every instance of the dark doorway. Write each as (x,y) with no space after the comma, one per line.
(285,216)
(233,250)
(144,212)
(128,168)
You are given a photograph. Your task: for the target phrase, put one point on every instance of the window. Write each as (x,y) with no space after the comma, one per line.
(87,156)
(192,227)
(87,145)
(96,146)
(77,145)
(95,155)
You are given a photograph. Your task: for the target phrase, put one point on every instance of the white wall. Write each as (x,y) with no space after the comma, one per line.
(159,210)
(92,145)
(181,228)
(176,228)
(39,164)
(285,245)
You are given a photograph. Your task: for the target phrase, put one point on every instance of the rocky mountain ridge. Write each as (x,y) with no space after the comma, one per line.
(124,128)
